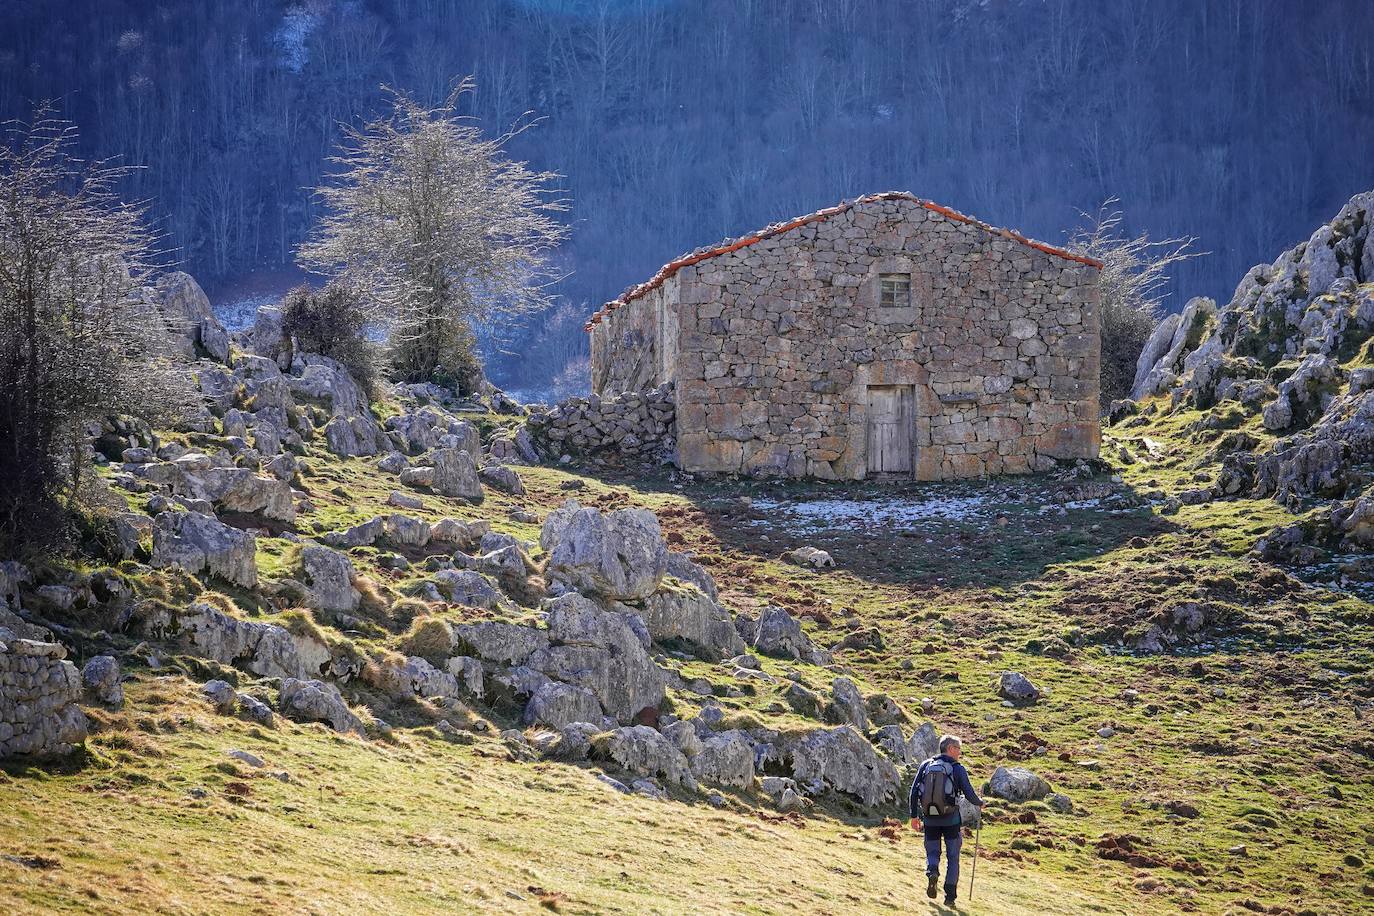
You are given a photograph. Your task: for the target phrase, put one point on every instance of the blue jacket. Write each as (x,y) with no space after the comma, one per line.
(962,786)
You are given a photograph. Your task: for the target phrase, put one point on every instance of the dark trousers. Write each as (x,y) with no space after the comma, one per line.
(953,841)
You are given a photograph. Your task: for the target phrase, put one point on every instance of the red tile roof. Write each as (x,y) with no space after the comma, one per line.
(745,241)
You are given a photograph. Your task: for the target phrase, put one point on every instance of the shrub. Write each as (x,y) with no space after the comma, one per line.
(333,322)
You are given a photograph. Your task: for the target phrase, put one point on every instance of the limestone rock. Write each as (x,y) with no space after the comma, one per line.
(262,648)
(455,473)
(1017,784)
(725,759)
(1016,687)
(329,576)
(644,752)
(500,477)
(847,704)
(558,705)
(500,642)
(101,679)
(619,555)
(317,701)
(600,651)
(687,614)
(840,760)
(200,543)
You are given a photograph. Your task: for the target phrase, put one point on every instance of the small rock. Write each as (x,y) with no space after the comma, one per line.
(253,760)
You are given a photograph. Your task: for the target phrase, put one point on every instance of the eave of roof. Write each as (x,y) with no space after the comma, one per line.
(701,254)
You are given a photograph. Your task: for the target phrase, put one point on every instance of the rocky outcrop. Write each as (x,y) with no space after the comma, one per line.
(201,543)
(618,555)
(39,715)
(724,759)
(262,648)
(636,426)
(1286,347)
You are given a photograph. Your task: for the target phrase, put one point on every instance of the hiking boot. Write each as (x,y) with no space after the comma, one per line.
(950,894)
(932,883)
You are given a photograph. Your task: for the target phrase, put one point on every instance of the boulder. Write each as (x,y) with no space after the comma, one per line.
(329,576)
(840,760)
(500,642)
(500,477)
(619,555)
(725,759)
(463,534)
(429,682)
(361,535)
(455,474)
(644,752)
(243,490)
(316,701)
(469,674)
(601,651)
(352,436)
(467,587)
(1016,784)
(100,677)
(684,612)
(780,634)
(404,531)
(558,705)
(1016,687)
(924,743)
(847,704)
(220,694)
(201,543)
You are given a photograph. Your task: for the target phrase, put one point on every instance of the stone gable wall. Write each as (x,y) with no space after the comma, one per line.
(774,347)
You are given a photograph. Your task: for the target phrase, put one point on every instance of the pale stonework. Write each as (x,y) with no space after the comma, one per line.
(773,348)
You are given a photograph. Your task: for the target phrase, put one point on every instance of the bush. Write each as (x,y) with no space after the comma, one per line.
(333,322)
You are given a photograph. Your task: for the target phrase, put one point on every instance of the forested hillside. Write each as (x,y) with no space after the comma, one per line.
(677,123)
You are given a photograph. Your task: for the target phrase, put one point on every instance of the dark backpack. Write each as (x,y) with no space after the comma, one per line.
(937,795)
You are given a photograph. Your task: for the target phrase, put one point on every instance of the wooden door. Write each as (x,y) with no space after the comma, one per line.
(890,429)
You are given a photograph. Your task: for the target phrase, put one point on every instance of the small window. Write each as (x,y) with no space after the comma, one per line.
(894,290)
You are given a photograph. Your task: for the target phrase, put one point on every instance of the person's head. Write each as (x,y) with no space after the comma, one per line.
(951,746)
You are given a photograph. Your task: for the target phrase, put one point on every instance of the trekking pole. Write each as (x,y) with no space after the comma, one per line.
(977,841)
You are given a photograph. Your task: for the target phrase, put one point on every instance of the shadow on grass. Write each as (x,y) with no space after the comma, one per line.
(981,533)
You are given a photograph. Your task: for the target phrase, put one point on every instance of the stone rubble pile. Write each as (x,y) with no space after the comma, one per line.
(637,426)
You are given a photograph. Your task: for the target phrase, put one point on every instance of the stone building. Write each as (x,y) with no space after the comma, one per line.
(887,336)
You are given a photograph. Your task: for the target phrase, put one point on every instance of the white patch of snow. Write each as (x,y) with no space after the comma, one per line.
(846,513)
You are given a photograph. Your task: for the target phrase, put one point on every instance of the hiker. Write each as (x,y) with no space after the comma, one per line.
(935,806)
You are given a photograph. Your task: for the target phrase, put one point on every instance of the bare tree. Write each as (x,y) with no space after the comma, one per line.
(432,221)
(77,340)
(1135,271)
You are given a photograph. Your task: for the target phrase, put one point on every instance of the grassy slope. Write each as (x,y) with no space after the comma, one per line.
(423,824)
(418,826)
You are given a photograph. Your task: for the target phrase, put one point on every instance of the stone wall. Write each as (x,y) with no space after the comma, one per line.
(636,425)
(38,695)
(775,344)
